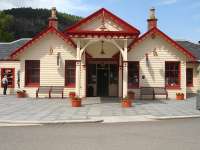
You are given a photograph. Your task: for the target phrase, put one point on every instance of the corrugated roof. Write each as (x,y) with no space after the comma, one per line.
(7,48)
(192,47)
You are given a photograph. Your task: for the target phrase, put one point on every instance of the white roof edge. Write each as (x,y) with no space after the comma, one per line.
(16,41)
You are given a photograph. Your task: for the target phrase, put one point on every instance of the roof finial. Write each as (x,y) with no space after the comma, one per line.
(53,13)
(152,14)
(53,20)
(152,21)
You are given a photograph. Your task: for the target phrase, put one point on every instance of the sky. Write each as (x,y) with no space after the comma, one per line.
(180,19)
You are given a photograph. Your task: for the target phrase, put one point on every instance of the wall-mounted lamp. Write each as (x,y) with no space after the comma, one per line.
(155,53)
(50,51)
(147,57)
(18,78)
(58,58)
(102,48)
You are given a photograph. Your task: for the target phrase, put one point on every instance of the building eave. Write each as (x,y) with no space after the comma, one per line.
(155,31)
(117,19)
(40,35)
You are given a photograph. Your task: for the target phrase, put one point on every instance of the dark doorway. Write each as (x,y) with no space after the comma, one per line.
(102,78)
(102,82)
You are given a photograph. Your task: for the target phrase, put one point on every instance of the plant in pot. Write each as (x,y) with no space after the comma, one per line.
(21,93)
(76,101)
(131,95)
(126,102)
(179,96)
(72,94)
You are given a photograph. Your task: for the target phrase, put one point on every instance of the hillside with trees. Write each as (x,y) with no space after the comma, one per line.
(19,23)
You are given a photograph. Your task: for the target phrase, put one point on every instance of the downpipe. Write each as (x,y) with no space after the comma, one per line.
(198,100)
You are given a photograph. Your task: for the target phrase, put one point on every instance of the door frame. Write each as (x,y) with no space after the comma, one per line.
(116,60)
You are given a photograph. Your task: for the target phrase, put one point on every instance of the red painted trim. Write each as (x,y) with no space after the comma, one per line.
(190,85)
(102,59)
(108,34)
(106,13)
(87,55)
(175,87)
(12,60)
(13,74)
(167,38)
(32,85)
(116,55)
(71,85)
(39,36)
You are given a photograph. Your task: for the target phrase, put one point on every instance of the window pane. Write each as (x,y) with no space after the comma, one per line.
(9,72)
(70,73)
(32,72)
(172,74)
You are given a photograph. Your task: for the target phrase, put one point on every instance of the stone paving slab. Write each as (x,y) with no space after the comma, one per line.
(29,109)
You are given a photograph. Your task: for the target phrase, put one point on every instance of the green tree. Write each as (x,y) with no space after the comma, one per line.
(27,22)
(5,25)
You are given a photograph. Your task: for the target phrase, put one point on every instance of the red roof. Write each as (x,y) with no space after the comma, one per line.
(127,28)
(39,36)
(152,33)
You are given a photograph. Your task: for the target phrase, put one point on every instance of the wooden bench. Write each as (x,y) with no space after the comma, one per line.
(43,90)
(146,91)
(57,90)
(160,91)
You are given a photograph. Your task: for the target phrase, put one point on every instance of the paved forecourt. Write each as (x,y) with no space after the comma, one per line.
(57,110)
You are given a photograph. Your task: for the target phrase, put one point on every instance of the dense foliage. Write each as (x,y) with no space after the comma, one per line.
(5,26)
(19,23)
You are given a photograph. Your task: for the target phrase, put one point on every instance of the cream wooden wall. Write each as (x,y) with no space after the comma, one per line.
(16,66)
(154,71)
(96,24)
(95,50)
(50,73)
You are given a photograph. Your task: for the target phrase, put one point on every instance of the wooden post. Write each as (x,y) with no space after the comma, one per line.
(125,69)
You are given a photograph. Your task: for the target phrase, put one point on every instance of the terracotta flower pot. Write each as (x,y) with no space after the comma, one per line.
(21,94)
(126,103)
(180,97)
(76,103)
(72,94)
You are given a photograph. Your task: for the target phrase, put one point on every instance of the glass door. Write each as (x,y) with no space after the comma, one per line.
(102,80)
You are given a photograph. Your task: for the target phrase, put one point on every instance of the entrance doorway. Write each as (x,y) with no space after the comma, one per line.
(102,78)
(102,82)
